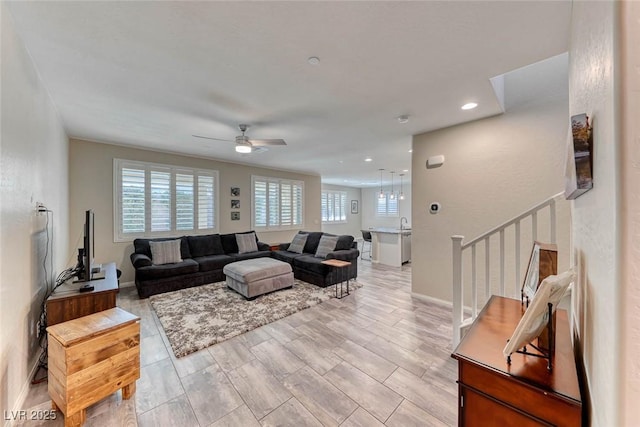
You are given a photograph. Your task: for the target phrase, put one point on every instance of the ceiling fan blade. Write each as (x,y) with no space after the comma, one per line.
(215,139)
(262,142)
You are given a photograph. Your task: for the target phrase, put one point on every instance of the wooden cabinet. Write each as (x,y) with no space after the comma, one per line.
(90,358)
(67,303)
(524,393)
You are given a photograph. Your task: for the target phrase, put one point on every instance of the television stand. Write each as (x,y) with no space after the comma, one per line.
(69,302)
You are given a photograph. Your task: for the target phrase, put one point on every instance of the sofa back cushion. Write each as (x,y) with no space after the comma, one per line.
(230,243)
(327,244)
(141,246)
(345,242)
(313,238)
(165,252)
(298,242)
(211,244)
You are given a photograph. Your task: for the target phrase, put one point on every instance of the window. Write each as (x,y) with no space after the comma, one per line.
(277,203)
(386,206)
(155,200)
(334,206)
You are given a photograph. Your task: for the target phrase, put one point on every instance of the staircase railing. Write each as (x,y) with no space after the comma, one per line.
(460,248)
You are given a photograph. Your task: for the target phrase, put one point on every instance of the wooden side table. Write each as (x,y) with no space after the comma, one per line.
(340,267)
(91,357)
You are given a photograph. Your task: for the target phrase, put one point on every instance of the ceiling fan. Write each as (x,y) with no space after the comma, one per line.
(244,144)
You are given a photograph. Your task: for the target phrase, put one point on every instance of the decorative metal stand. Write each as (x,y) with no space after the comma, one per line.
(548,354)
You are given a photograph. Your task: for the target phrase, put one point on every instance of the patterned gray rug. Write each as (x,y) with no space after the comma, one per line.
(196,318)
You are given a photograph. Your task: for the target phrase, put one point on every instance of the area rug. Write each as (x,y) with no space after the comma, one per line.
(196,318)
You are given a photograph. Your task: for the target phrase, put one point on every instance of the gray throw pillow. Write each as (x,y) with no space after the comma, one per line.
(327,244)
(297,244)
(166,252)
(246,243)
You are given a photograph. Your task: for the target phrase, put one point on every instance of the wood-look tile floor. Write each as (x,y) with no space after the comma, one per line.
(377,357)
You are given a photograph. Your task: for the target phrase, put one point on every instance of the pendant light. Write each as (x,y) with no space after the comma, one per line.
(381,195)
(392,195)
(401,197)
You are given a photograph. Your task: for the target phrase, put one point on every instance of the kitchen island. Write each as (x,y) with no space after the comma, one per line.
(390,246)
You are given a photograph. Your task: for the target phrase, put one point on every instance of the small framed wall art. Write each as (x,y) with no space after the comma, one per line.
(235,216)
(579,169)
(235,191)
(354,206)
(235,204)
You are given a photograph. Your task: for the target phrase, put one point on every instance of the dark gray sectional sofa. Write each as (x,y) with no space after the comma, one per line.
(204,257)
(309,268)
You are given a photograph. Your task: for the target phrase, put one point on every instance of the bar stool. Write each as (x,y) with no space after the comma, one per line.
(366,236)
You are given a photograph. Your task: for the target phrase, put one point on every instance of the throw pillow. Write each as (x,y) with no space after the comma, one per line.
(167,252)
(297,244)
(246,243)
(327,244)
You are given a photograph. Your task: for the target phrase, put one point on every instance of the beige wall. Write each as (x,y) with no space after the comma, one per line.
(630,157)
(352,226)
(494,169)
(596,215)
(33,168)
(91,187)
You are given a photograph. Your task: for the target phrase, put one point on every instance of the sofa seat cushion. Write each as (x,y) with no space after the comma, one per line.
(152,272)
(251,255)
(285,256)
(256,269)
(311,263)
(213,262)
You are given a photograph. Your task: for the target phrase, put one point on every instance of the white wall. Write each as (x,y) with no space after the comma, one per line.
(494,169)
(352,226)
(368,208)
(630,163)
(91,187)
(33,168)
(596,218)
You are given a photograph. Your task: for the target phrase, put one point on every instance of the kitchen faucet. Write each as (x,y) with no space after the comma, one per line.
(402,219)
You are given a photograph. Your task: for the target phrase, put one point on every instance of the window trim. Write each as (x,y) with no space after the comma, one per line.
(339,193)
(280,181)
(119,164)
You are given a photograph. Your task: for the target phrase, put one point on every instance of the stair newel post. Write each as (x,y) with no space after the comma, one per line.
(457,287)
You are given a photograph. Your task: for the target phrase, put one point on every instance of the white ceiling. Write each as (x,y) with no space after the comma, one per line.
(151,74)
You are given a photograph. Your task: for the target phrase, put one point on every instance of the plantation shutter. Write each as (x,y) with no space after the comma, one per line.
(206,197)
(132,212)
(160,183)
(185,198)
(277,204)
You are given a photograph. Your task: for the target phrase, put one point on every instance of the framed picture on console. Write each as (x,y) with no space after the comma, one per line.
(536,317)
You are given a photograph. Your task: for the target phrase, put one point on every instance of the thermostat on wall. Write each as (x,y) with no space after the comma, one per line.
(434,207)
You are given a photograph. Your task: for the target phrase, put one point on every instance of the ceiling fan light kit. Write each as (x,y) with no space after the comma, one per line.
(244,145)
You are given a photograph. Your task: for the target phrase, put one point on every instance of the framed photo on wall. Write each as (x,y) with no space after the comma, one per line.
(235,191)
(235,216)
(235,204)
(354,206)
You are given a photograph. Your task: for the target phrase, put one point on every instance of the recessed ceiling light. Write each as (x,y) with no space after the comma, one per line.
(405,170)
(403,118)
(368,159)
(469,106)
(313,60)
(411,150)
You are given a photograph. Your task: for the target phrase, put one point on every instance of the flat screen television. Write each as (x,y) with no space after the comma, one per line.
(85,254)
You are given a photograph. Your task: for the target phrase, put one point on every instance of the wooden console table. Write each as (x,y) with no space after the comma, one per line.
(67,303)
(524,393)
(90,358)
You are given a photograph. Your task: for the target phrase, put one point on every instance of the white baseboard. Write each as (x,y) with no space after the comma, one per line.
(427,298)
(22,397)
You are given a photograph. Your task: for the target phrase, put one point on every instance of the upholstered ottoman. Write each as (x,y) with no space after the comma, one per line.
(254,277)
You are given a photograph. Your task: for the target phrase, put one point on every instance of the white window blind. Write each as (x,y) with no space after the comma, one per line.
(334,206)
(386,206)
(277,203)
(155,200)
